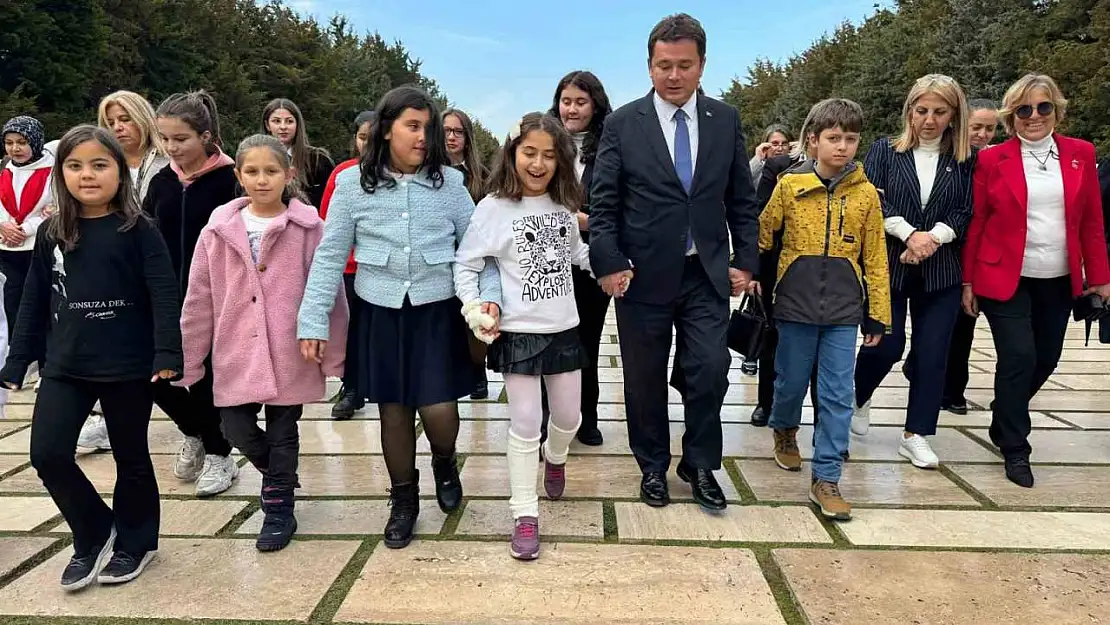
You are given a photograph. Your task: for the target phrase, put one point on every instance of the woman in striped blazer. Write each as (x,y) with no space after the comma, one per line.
(924,180)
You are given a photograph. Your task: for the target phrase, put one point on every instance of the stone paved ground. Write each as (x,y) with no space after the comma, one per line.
(957,545)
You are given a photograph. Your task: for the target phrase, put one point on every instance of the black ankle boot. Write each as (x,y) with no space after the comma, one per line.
(404,502)
(279,524)
(448,487)
(481,389)
(349,403)
(588,433)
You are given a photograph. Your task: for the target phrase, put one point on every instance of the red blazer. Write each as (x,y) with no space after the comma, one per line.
(329,190)
(995,246)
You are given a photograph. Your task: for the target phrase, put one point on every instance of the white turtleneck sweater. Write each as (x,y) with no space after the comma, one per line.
(579,138)
(1046,242)
(926,157)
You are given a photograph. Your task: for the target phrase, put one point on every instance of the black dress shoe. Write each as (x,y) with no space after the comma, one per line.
(349,403)
(707,492)
(653,490)
(1018,471)
(759,417)
(959,408)
(590,436)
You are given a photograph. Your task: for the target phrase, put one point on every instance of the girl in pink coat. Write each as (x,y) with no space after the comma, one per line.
(245,285)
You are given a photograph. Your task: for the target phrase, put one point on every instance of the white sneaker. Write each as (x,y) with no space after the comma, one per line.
(94,434)
(861,419)
(189,460)
(917,450)
(217,475)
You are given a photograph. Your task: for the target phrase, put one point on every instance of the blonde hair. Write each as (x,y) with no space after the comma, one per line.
(956,138)
(1019,92)
(139,110)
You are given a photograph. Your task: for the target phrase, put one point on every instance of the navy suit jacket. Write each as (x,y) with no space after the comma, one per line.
(640,213)
(894,174)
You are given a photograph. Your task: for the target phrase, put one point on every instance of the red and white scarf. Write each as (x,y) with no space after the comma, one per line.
(33,189)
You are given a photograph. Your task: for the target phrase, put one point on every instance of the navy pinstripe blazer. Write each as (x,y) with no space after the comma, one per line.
(894,174)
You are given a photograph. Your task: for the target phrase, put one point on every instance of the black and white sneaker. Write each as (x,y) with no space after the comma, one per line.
(124,567)
(82,570)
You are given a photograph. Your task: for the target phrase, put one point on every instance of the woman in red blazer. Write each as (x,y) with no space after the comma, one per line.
(1036,240)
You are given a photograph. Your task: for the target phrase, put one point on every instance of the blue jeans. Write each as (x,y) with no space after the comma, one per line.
(834,350)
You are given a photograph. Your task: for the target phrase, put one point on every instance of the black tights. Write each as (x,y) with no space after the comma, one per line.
(441,426)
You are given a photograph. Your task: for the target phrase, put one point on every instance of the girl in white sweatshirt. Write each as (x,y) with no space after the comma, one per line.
(24,192)
(527,225)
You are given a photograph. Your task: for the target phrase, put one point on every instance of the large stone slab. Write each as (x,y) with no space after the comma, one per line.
(349,518)
(1086,420)
(188,517)
(570,584)
(979,529)
(7,427)
(194,579)
(15,551)
(860,483)
(341,437)
(1053,400)
(163,436)
(23,514)
(557,518)
(782,524)
(1056,486)
(1071,446)
(943,588)
(475,437)
(1084,382)
(10,462)
(880,444)
(587,477)
(101,471)
(335,476)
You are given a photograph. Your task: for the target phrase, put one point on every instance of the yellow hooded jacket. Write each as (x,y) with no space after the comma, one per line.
(826,233)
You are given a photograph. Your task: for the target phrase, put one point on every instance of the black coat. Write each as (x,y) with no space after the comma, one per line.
(316,178)
(182,212)
(641,214)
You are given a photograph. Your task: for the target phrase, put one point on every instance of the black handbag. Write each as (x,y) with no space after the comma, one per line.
(748,327)
(1090,309)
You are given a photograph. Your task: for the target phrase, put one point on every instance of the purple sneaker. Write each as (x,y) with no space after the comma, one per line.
(526,538)
(554,479)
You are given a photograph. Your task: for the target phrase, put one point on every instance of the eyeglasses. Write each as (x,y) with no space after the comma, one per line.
(454,132)
(1044,109)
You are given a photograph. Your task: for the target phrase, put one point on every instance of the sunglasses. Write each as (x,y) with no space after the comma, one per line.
(1025,111)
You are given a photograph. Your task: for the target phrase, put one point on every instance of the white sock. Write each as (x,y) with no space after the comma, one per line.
(524,471)
(558,442)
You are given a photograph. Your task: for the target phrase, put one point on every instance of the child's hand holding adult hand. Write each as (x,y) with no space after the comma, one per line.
(312,350)
(494,311)
(871,340)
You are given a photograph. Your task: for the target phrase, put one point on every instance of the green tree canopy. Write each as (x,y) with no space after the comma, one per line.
(984,44)
(59,57)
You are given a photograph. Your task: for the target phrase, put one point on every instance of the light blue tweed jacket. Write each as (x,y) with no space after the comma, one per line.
(404,240)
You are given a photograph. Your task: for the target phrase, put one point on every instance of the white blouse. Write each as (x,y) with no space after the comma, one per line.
(1046,238)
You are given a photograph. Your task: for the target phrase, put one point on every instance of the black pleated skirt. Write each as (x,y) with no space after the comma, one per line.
(537,354)
(414,355)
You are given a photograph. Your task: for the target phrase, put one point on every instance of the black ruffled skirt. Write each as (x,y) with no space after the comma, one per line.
(414,355)
(537,354)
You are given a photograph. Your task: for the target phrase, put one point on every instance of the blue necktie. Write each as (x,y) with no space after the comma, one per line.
(683,163)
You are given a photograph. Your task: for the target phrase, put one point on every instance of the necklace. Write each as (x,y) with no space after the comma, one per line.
(1043,164)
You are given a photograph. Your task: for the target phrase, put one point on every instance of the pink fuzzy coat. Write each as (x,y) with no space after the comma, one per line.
(245,315)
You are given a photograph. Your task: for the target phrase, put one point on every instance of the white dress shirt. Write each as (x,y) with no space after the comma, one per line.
(665,111)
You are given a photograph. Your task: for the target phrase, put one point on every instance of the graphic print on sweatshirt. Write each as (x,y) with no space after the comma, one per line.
(94,309)
(543,247)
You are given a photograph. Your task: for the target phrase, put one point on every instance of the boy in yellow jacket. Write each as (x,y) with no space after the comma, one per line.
(832,279)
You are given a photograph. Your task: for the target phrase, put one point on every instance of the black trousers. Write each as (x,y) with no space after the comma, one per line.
(768,272)
(194,412)
(275,451)
(14,266)
(61,407)
(354,305)
(933,315)
(959,354)
(1029,330)
(593,305)
(700,317)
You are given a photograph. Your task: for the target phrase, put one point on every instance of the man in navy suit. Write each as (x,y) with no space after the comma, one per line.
(671,184)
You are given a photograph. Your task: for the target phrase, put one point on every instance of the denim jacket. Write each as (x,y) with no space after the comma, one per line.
(404,241)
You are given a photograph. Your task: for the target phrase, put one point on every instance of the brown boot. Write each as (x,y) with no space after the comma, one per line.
(787,455)
(827,497)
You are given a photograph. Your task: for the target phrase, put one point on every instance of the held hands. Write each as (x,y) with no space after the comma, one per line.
(970,304)
(871,340)
(164,374)
(616,284)
(484,319)
(1102,290)
(312,350)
